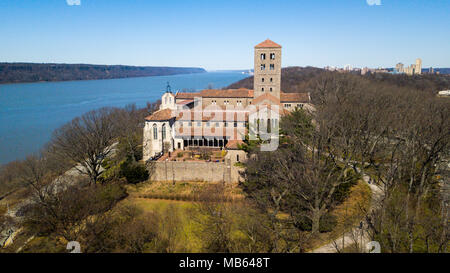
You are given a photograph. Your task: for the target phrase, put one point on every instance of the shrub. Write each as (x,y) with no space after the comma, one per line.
(110,194)
(134,172)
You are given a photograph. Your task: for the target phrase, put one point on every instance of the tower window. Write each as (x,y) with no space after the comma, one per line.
(262,80)
(262,89)
(263,56)
(263,67)
(271,80)
(272,56)
(270,89)
(272,66)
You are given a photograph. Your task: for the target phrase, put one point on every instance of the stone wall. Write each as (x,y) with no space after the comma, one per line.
(191,171)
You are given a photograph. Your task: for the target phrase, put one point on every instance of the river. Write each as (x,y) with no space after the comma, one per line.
(29,112)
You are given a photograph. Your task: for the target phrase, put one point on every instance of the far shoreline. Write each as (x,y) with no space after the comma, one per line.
(58,81)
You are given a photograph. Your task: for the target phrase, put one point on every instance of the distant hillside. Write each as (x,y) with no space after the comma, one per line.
(300,79)
(33,72)
(293,79)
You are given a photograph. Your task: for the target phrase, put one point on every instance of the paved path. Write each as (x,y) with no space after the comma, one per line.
(353,236)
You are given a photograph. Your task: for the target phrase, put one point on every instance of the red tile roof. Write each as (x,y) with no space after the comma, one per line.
(228,93)
(243,93)
(185,95)
(266,97)
(165,114)
(294,97)
(234,144)
(268,43)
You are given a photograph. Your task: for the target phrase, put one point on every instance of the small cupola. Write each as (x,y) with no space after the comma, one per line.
(168,99)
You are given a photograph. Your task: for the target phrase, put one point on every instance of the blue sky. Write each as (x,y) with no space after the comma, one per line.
(217,34)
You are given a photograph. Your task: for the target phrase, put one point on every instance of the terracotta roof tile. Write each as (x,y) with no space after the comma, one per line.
(234,144)
(165,114)
(294,97)
(185,95)
(228,93)
(267,43)
(266,97)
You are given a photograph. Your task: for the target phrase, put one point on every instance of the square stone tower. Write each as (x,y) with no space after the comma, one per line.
(267,75)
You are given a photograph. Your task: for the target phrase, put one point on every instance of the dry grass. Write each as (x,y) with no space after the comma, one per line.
(168,189)
(170,194)
(187,238)
(15,198)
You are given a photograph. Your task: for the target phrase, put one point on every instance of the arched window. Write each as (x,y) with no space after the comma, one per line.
(164,131)
(155,131)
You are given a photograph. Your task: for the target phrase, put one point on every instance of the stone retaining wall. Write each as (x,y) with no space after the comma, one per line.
(191,171)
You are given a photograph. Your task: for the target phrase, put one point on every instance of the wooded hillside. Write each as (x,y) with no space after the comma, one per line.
(32,72)
(300,79)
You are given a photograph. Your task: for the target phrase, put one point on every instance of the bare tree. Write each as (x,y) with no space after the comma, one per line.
(86,142)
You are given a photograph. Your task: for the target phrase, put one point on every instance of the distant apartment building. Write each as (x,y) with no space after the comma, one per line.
(364,71)
(399,67)
(413,69)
